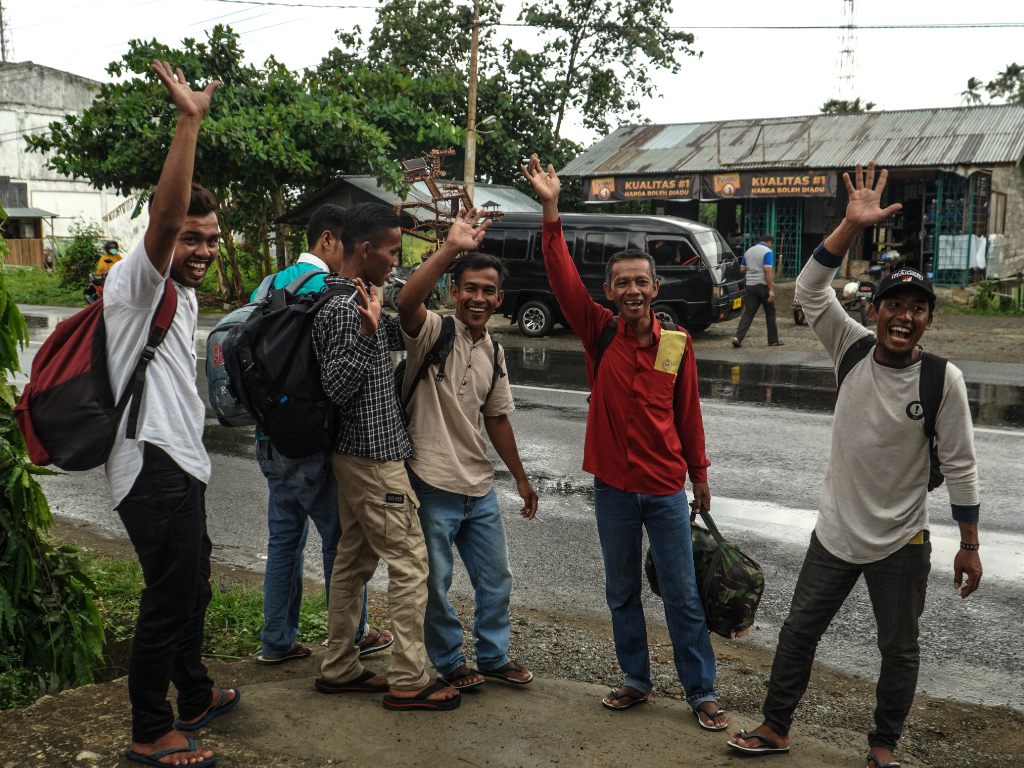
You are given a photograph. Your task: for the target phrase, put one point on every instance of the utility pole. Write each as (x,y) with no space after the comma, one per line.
(3,35)
(469,168)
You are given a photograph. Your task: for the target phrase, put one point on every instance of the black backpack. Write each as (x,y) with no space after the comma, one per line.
(273,370)
(930,385)
(438,355)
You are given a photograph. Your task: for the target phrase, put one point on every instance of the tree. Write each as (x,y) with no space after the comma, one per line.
(971,95)
(1008,85)
(50,629)
(845,107)
(599,55)
(272,135)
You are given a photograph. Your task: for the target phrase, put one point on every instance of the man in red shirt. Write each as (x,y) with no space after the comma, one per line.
(644,432)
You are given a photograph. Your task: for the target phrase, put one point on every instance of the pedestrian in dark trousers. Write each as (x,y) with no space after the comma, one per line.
(758,266)
(873,517)
(158,479)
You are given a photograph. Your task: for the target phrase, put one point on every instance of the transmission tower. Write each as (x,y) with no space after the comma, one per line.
(848,54)
(3,34)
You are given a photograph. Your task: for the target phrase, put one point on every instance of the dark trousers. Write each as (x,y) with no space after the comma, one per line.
(165,516)
(754,297)
(896,586)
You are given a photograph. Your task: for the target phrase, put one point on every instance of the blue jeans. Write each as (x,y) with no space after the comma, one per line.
(896,585)
(300,490)
(620,518)
(473,525)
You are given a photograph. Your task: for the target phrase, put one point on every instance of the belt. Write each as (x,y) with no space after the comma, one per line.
(920,538)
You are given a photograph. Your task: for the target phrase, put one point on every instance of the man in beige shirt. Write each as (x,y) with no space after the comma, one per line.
(450,408)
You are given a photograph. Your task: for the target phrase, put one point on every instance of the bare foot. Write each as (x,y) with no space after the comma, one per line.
(624,697)
(711,717)
(780,742)
(218,697)
(880,757)
(173,740)
(447,693)
(463,677)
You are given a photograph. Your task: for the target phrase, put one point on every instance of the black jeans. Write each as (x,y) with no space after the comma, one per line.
(896,586)
(165,516)
(754,297)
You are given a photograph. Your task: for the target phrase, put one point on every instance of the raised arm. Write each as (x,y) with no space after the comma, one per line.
(170,200)
(545,185)
(466,234)
(863,208)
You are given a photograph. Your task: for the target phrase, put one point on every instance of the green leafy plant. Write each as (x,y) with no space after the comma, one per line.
(28,285)
(78,259)
(50,631)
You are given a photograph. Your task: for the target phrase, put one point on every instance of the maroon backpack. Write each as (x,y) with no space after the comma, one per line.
(67,412)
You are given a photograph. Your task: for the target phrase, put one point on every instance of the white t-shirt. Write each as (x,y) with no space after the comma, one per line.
(172,414)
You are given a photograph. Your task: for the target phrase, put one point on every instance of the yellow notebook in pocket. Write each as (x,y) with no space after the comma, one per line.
(671,348)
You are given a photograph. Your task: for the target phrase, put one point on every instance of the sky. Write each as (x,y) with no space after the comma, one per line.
(743,73)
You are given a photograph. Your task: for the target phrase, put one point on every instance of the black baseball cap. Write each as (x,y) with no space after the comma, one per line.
(905,277)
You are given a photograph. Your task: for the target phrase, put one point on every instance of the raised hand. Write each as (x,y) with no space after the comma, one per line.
(545,184)
(368,306)
(864,206)
(467,230)
(191,103)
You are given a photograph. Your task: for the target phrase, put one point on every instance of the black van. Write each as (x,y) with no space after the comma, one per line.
(700,278)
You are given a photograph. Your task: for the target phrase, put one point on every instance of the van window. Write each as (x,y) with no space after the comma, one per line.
(536,252)
(599,246)
(673,252)
(517,244)
(492,242)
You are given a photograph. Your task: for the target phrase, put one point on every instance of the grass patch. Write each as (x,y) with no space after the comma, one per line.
(28,285)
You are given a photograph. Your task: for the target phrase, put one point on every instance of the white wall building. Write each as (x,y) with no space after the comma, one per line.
(31,97)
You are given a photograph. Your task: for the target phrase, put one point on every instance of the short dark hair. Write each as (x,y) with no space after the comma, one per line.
(365,222)
(629,254)
(201,201)
(767,238)
(478,260)
(327,218)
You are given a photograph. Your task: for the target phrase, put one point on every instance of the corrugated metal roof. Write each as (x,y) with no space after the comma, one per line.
(28,213)
(948,137)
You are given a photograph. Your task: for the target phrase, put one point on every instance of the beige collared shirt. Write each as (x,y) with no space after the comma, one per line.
(446,418)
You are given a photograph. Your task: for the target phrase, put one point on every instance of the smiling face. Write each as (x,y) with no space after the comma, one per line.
(632,289)
(197,245)
(379,256)
(476,296)
(901,318)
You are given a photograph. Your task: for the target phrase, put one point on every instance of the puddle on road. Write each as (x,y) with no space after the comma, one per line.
(799,387)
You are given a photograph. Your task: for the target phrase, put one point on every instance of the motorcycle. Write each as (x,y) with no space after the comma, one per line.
(94,290)
(398,278)
(857,295)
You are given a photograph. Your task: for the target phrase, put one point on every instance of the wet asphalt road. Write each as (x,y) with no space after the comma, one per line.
(768,464)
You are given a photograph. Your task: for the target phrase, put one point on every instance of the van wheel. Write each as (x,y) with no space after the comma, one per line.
(535,319)
(666,314)
(798,316)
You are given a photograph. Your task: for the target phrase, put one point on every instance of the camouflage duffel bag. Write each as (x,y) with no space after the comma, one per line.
(729,582)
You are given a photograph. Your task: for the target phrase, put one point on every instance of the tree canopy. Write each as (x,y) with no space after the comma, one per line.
(846,107)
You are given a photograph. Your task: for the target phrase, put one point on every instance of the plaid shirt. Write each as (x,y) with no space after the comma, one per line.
(358,376)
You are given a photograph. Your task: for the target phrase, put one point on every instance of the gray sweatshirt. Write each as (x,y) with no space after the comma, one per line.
(875,495)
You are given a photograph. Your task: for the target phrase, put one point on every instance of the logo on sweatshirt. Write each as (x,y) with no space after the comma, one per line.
(915,410)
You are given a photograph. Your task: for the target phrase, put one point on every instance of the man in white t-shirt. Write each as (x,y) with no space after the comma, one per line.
(158,478)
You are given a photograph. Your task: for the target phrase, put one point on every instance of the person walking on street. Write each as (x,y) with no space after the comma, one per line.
(873,517)
(377,506)
(757,265)
(158,478)
(450,410)
(300,490)
(644,434)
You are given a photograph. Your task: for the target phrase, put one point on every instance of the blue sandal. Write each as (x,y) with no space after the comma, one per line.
(222,707)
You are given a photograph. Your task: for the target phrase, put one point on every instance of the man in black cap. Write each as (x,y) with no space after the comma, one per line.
(873,519)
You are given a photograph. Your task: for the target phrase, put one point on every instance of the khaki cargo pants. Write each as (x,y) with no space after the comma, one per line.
(379,521)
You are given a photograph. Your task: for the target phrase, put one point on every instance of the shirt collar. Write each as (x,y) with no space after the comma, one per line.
(462,328)
(316,261)
(627,332)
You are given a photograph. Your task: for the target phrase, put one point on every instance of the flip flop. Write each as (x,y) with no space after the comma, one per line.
(502,673)
(154,759)
(222,707)
(632,699)
(297,651)
(457,675)
(421,700)
(380,642)
(711,715)
(360,684)
(768,747)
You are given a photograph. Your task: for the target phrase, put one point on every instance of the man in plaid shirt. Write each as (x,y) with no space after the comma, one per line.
(376,504)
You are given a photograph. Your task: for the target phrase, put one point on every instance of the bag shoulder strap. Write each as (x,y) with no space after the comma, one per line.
(604,340)
(857,352)
(158,328)
(436,355)
(263,289)
(933,380)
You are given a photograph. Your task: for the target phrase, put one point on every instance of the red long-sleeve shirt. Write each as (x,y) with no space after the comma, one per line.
(644,426)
